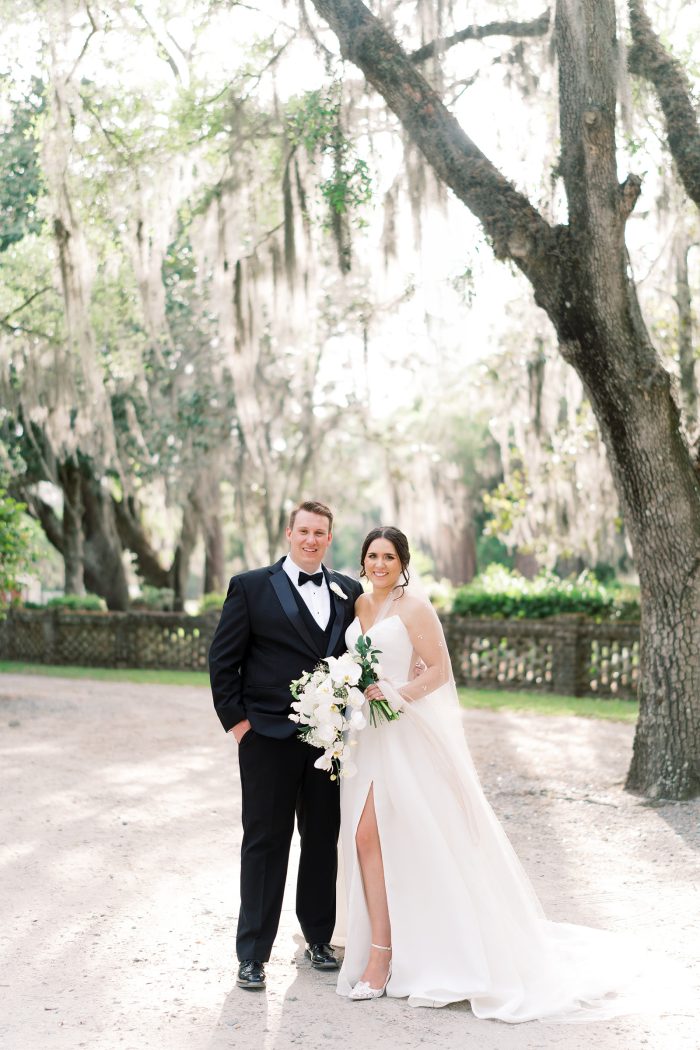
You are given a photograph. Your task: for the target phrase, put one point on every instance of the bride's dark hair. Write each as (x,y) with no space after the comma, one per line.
(400,543)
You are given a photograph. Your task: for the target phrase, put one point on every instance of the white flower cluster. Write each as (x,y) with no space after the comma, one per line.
(328,704)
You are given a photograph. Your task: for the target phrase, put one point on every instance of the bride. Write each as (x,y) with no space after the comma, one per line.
(439,908)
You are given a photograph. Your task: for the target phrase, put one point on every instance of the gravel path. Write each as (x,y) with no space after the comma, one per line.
(119,858)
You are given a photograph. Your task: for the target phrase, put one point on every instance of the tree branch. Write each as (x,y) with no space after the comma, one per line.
(94,29)
(133,536)
(517,229)
(537,27)
(649,59)
(630,190)
(32,297)
(47,518)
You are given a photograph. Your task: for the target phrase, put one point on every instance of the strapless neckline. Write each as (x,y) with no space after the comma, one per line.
(377,623)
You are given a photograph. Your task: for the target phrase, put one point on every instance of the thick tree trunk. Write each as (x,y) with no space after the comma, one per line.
(72,529)
(214,571)
(602,334)
(183,554)
(214,567)
(579,276)
(133,537)
(103,554)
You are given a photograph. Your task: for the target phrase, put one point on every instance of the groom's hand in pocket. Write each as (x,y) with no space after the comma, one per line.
(240,730)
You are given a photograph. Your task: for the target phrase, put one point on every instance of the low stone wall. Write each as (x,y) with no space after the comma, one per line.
(172,641)
(567,655)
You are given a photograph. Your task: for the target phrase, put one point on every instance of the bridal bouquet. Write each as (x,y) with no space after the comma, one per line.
(328,702)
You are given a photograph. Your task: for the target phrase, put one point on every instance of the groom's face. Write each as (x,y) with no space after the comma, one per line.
(309,540)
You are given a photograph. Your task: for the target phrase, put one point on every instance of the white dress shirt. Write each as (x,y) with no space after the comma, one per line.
(316,599)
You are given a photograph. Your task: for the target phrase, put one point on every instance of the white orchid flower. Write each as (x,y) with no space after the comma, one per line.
(356,698)
(357,721)
(326,733)
(343,670)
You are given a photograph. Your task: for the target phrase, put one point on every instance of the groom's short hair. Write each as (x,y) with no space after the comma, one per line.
(313,507)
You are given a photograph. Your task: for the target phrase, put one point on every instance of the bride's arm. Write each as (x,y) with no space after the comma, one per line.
(425,631)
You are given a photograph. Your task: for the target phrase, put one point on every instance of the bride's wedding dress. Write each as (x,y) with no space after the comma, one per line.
(465,921)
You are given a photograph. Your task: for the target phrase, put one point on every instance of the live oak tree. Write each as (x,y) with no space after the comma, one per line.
(162,287)
(580,277)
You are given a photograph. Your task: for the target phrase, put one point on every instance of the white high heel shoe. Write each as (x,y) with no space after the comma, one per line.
(364,990)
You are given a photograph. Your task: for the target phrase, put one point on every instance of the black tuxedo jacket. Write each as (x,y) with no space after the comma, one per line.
(262,643)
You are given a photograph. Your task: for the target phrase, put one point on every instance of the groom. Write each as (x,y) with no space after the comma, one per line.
(276,623)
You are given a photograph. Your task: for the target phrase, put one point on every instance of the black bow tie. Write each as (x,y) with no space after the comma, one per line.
(314,577)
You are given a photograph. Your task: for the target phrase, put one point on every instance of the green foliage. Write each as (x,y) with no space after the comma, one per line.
(499,592)
(315,123)
(506,504)
(158,599)
(20,178)
(78,603)
(16,549)
(492,551)
(212,601)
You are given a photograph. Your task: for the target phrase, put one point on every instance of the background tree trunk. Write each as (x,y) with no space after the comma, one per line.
(183,554)
(134,538)
(103,555)
(72,529)
(214,561)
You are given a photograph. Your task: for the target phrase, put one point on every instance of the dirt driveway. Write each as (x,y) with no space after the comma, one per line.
(119,861)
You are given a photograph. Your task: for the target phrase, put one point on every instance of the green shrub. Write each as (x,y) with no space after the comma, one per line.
(158,599)
(84,602)
(16,546)
(212,601)
(499,592)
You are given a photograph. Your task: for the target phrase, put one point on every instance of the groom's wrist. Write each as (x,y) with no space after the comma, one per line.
(240,729)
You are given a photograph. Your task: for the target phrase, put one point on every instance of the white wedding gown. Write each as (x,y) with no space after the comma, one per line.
(465,921)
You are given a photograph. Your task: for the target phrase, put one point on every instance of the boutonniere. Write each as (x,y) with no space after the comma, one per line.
(337,589)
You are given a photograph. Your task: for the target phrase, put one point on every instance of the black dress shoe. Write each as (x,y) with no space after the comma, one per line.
(251,974)
(322,957)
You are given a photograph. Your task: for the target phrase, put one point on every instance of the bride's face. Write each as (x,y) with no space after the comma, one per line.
(382,565)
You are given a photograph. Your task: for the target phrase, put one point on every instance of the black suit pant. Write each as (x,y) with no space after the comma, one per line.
(279,783)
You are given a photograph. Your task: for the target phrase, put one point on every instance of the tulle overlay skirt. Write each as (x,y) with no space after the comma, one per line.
(465,921)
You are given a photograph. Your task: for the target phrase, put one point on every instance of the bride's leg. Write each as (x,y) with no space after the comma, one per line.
(369,855)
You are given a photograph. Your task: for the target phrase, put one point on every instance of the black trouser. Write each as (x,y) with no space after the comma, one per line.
(278,780)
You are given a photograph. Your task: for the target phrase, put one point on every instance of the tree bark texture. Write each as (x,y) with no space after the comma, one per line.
(535,27)
(103,554)
(579,275)
(134,538)
(214,560)
(648,58)
(183,553)
(72,529)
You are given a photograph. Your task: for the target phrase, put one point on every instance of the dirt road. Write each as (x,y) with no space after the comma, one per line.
(119,861)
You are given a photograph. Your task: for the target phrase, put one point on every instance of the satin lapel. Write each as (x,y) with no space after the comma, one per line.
(283,590)
(340,605)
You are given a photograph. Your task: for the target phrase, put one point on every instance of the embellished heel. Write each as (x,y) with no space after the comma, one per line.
(364,990)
